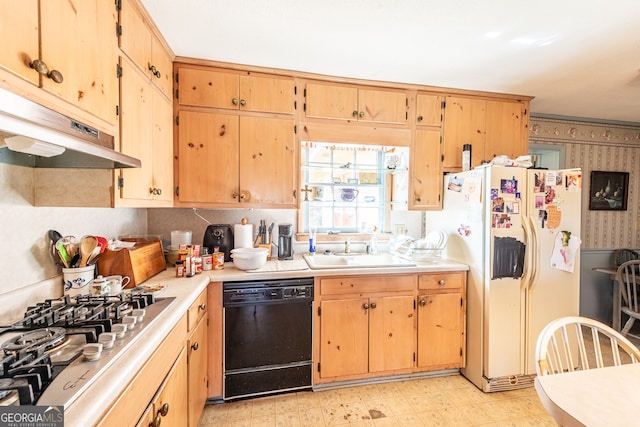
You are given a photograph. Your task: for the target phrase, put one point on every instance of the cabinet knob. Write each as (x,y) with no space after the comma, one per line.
(418,199)
(195,346)
(156,421)
(243,102)
(423,302)
(243,196)
(234,101)
(355,113)
(365,306)
(441,282)
(420,118)
(361,113)
(164,410)
(56,76)
(155,191)
(39,66)
(239,196)
(373,305)
(154,71)
(202,306)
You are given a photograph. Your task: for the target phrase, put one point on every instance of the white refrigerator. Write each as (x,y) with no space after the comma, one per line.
(519,231)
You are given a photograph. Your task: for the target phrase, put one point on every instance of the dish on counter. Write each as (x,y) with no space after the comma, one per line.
(149,289)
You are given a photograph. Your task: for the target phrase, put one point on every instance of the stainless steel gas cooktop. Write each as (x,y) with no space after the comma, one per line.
(62,345)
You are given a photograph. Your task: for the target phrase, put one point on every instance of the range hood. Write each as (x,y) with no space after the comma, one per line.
(47,139)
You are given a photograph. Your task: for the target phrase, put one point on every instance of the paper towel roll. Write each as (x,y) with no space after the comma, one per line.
(242,235)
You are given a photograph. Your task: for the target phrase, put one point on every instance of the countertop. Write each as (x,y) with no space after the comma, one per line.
(105,388)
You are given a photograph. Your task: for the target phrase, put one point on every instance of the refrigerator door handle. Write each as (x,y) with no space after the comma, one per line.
(526,277)
(535,255)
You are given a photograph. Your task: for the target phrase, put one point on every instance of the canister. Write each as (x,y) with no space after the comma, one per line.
(218,260)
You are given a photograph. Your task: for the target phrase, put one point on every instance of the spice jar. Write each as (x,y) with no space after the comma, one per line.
(180,268)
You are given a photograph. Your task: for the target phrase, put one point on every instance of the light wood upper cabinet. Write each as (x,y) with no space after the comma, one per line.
(244,91)
(19,23)
(227,160)
(141,45)
(425,173)
(75,46)
(146,133)
(492,127)
(441,320)
(507,129)
(429,110)
(353,103)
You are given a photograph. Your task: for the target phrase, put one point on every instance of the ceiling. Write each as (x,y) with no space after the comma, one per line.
(578,58)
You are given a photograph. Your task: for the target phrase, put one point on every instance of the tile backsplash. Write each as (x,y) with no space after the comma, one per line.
(28,272)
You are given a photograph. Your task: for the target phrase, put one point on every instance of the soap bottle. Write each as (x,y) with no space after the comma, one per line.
(312,241)
(373,245)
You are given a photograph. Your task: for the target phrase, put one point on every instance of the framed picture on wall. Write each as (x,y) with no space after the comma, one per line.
(608,191)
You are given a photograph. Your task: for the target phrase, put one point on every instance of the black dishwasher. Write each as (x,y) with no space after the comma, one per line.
(267,336)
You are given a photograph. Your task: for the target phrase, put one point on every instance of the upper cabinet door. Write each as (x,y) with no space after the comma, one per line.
(207,88)
(327,101)
(429,110)
(19,23)
(78,39)
(382,106)
(140,44)
(507,132)
(243,91)
(330,101)
(464,123)
(266,93)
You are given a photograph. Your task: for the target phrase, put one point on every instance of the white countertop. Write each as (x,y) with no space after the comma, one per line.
(101,393)
(231,274)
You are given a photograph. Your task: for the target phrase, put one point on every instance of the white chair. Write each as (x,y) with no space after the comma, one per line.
(578,343)
(628,277)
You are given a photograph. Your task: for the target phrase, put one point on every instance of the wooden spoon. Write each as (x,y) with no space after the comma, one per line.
(87,245)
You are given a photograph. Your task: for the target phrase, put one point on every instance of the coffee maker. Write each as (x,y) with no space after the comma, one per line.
(285,244)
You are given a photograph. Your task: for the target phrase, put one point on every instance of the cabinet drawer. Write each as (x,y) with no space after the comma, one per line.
(441,281)
(367,284)
(197,310)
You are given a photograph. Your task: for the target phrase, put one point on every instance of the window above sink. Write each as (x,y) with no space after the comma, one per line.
(351,188)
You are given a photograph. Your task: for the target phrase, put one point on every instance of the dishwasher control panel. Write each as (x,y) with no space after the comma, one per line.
(267,291)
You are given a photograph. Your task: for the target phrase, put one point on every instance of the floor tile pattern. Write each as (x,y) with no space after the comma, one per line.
(438,402)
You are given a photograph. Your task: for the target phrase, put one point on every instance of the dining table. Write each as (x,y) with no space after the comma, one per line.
(594,397)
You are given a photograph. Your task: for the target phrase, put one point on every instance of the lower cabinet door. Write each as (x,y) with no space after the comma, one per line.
(171,401)
(440,330)
(344,337)
(391,333)
(198,372)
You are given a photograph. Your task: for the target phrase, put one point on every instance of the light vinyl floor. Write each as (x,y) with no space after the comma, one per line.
(438,401)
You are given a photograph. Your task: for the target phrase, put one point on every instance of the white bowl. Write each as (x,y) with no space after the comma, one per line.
(249,258)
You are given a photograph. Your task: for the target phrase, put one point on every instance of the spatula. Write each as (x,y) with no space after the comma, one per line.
(87,245)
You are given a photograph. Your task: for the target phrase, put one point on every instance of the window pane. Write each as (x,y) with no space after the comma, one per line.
(350,186)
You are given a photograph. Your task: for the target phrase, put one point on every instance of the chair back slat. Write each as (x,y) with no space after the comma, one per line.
(578,343)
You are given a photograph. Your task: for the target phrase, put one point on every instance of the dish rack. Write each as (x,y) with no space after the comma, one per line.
(428,249)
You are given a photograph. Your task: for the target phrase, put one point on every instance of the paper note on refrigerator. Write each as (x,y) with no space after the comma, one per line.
(564,252)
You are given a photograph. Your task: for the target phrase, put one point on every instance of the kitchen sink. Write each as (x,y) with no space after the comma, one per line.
(319,261)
